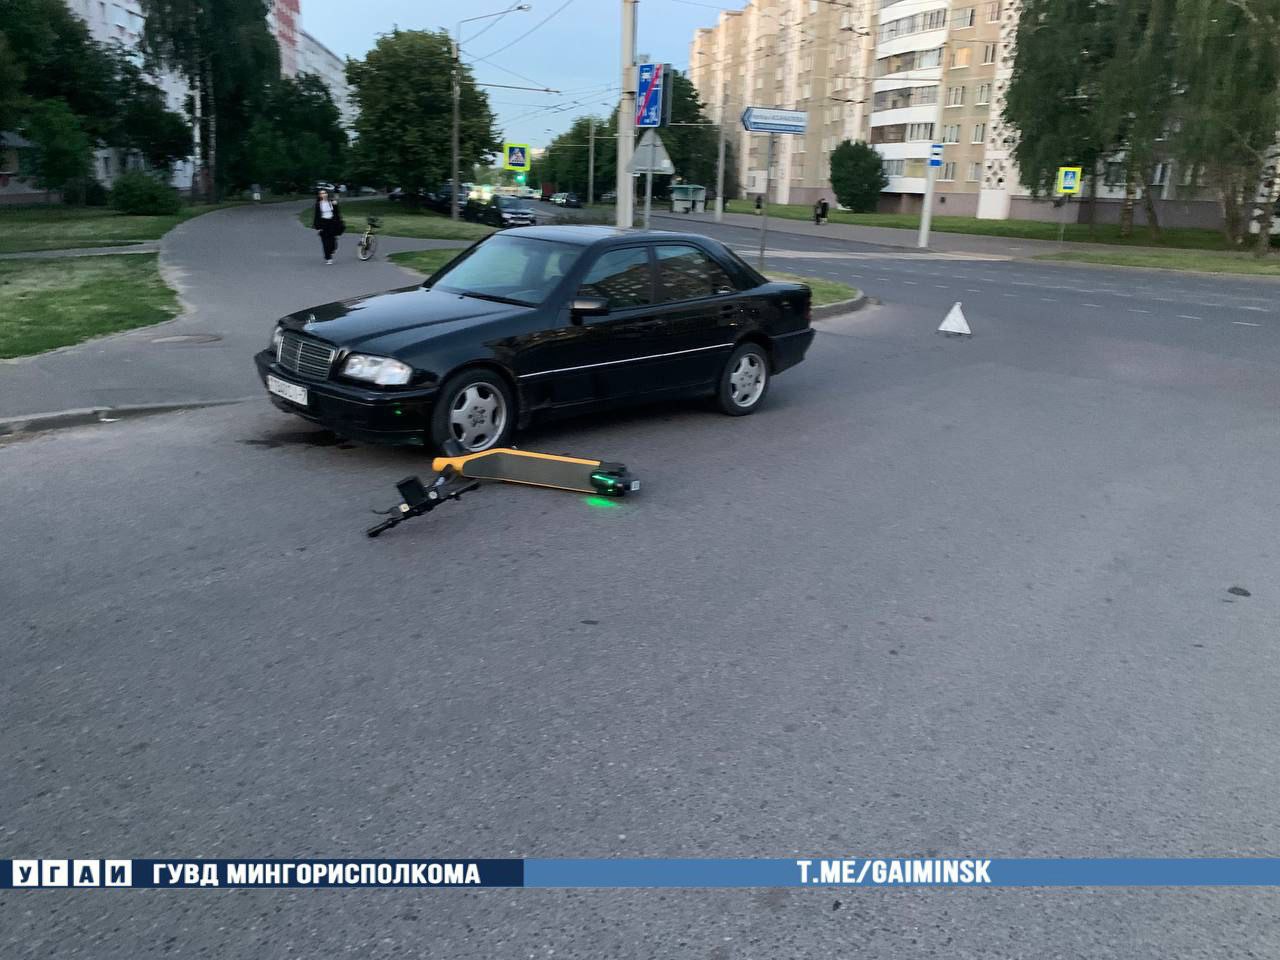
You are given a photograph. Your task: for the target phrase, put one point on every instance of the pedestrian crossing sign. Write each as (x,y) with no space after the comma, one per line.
(1068,180)
(515,156)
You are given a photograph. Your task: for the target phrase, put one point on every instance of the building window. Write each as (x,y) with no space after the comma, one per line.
(979,132)
(1160,175)
(955,96)
(920,131)
(975,172)
(928,58)
(893,168)
(951,133)
(947,171)
(989,53)
(984,93)
(891,133)
(935,19)
(960,56)
(993,12)
(1114,176)
(963,18)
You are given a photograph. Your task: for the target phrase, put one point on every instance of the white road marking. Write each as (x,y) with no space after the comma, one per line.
(971,290)
(1187,316)
(1243,323)
(1096,306)
(1136,310)
(1049,299)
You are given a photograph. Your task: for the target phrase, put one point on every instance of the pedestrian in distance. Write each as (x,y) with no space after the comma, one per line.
(817,213)
(759,202)
(823,209)
(327,219)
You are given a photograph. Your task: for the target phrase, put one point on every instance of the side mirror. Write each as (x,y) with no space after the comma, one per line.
(580,307)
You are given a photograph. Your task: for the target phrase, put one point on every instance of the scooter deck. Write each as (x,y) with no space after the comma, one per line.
(534,469)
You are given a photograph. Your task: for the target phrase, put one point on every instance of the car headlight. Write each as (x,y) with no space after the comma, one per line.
(277,337)
(380,370)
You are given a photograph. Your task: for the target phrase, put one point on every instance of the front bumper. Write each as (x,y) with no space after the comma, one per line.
(400,418)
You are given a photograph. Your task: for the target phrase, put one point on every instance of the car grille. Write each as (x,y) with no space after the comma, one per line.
(306,357)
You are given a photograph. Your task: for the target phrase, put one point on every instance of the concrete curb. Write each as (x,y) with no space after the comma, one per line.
(40,422)
(839,307)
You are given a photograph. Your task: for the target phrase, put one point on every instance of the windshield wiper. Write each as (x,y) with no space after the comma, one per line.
(492,296)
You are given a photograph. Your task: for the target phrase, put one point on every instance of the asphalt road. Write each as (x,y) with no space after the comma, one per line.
(954,596)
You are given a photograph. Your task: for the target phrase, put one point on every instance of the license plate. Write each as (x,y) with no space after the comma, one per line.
(290,391)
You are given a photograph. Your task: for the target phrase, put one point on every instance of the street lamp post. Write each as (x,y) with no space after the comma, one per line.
(457,93)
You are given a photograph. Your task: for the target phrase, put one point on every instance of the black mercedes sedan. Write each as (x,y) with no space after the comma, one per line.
(535,321)
(500,212)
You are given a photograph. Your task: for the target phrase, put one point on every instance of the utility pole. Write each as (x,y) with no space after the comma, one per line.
(591,160)
(926,213)
(457,122)
(627,118)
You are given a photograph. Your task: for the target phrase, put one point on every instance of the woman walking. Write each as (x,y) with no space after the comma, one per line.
(328,220)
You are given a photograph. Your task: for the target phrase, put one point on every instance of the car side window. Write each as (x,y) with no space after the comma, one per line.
(620,276)
(686,273)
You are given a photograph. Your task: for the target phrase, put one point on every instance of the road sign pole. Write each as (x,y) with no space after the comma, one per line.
(764,207)
(926,213)
(624,211)
(457,122)
(648,179)
(724,109)
(1062,224)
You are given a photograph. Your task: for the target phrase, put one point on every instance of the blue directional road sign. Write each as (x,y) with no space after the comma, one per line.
(935,155)
(770,120)
(649,93)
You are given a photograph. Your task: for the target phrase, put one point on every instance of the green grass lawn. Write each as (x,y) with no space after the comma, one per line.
(1180,237)
(47,303)
(1196,260)
(824,291)
(428,262)
(400,220)
(57,227)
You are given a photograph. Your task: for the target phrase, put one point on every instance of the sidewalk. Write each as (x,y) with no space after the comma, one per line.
(1014,247)
(236,271)
(147,246)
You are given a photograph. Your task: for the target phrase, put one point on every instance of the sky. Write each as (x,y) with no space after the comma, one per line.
(577,51)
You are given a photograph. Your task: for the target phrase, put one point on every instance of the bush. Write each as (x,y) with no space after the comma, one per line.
(857,176)
(141,194)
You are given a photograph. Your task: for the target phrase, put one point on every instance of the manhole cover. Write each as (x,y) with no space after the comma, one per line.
(189,338)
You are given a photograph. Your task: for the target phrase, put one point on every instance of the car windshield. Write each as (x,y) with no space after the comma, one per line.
(510,203)
(521,270)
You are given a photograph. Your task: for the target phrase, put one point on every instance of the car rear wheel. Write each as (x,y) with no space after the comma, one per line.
(476,410)
(744,381)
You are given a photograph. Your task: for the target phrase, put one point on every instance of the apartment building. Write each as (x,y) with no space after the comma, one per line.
(314,57)
(805,55)
(901,75)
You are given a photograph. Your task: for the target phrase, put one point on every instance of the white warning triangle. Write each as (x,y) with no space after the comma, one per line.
(651,156)
(955,322)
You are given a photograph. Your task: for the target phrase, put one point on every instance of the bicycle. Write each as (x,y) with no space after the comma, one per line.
(368,242)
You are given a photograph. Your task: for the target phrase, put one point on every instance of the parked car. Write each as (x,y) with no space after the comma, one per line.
(323,185)
(570,200)
(558,198)
(534,322)
(609,196)
(500,212)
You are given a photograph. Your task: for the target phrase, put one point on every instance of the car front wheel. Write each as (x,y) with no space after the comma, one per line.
(476,410)
(744,381)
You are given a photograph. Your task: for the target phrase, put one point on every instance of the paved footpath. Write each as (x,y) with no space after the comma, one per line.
(1012,247)
(236,271)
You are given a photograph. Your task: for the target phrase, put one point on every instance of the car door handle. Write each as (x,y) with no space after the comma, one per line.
(728,309)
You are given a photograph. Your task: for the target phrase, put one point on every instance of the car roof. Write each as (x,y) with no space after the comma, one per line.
(592,234)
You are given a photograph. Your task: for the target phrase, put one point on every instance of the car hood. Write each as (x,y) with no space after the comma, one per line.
(397,318)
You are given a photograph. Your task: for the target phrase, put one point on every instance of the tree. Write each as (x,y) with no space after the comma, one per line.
(142,121)
(1054,95)
(857,176)
(296,139)
(62,149)
(404,94)
(227,53)
(1227,110)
